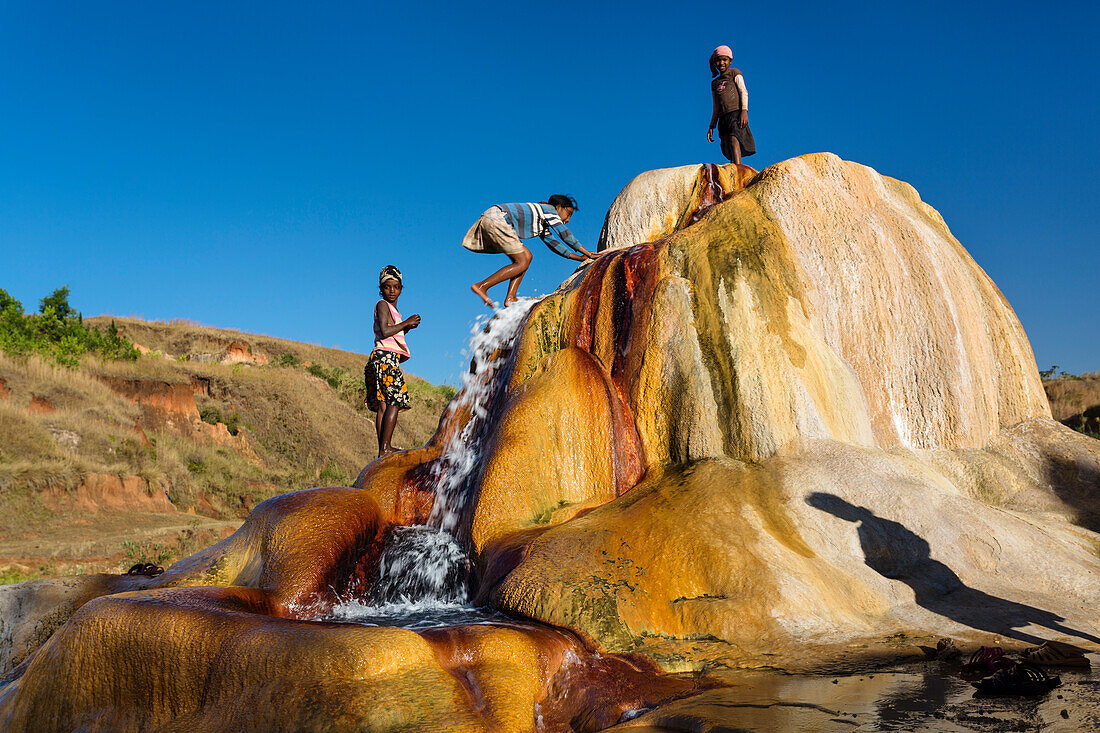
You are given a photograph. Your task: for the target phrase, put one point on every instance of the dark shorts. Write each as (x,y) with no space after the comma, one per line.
(728,131)
(385,381)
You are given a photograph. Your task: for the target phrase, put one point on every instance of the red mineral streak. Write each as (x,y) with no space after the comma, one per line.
(594,691)
(711,192)
(588,299)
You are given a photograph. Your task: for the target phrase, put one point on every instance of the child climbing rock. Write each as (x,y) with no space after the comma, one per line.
(500,229)
(386,390)
(731,107)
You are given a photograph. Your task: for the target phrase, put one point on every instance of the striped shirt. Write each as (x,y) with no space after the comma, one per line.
(537,220)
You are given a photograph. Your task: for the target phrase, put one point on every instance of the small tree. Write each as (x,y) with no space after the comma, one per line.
(6,301)
(59,301)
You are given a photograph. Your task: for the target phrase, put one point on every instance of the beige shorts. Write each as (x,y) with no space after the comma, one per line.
(493,234)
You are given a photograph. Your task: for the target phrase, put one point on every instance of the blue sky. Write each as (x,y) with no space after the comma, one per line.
(253,165)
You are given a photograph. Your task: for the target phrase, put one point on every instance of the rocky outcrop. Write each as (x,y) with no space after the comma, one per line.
(100,491)
(786,417)
(41,405)
(165,405)
(845,434)
(128,661)
(240,352)
(659,202)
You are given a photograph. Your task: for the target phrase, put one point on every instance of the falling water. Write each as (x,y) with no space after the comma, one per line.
(423,572)
(421,563)
(489,348)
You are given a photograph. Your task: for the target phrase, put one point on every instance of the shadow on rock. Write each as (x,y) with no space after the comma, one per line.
(1077,483)
(895,552)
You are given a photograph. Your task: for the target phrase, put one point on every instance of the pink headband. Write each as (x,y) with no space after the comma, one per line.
(723,51)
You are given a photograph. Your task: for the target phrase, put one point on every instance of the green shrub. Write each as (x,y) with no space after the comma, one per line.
(347,384)
(6,301)
(142,552)
(435,396)
(57,333)
(1054,373)
(288,360)
(11,575)
(210,414)
(332,476)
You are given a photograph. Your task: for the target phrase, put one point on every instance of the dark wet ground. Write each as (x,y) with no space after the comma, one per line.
(927,696)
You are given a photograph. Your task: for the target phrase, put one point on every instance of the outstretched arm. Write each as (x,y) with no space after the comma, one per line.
(566,236)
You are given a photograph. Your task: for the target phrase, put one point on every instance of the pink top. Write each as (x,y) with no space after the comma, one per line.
(395,343)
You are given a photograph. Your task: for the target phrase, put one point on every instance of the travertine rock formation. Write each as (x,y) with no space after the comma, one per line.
(844,430)
(786,416)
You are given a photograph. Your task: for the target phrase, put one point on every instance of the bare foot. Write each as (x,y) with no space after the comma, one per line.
(483,295)
(510,301)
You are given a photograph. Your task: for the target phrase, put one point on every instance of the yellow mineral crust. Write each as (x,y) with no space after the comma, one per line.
(205,659)
(825,301)
(554,446)
(297,546)
(818,374)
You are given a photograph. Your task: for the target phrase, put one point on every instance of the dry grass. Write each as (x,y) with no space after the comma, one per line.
(23,438)
(1075,401)
(188,347)
(181,338)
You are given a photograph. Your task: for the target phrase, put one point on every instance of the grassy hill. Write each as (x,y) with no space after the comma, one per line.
(121,460)
(1074,399)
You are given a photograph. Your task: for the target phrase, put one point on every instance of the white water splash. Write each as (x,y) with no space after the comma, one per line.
(421,563)
(489,347)
(424,614)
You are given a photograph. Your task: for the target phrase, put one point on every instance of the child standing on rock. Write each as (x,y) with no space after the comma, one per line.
(386,390)
(731,107)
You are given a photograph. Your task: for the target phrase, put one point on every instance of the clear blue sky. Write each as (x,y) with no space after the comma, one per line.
(253,165)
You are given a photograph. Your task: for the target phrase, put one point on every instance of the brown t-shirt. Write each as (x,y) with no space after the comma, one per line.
(727,96)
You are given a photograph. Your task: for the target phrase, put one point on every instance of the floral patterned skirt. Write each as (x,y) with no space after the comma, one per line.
(385,381)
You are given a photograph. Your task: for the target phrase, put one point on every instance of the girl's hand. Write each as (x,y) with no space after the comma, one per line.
(743,120)
(710,135)
(412,322)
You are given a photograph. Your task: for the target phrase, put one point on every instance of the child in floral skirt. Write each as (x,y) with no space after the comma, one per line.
(387,394)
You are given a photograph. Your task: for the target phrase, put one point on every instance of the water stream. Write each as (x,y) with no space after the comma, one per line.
(424,573)
(489,348)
